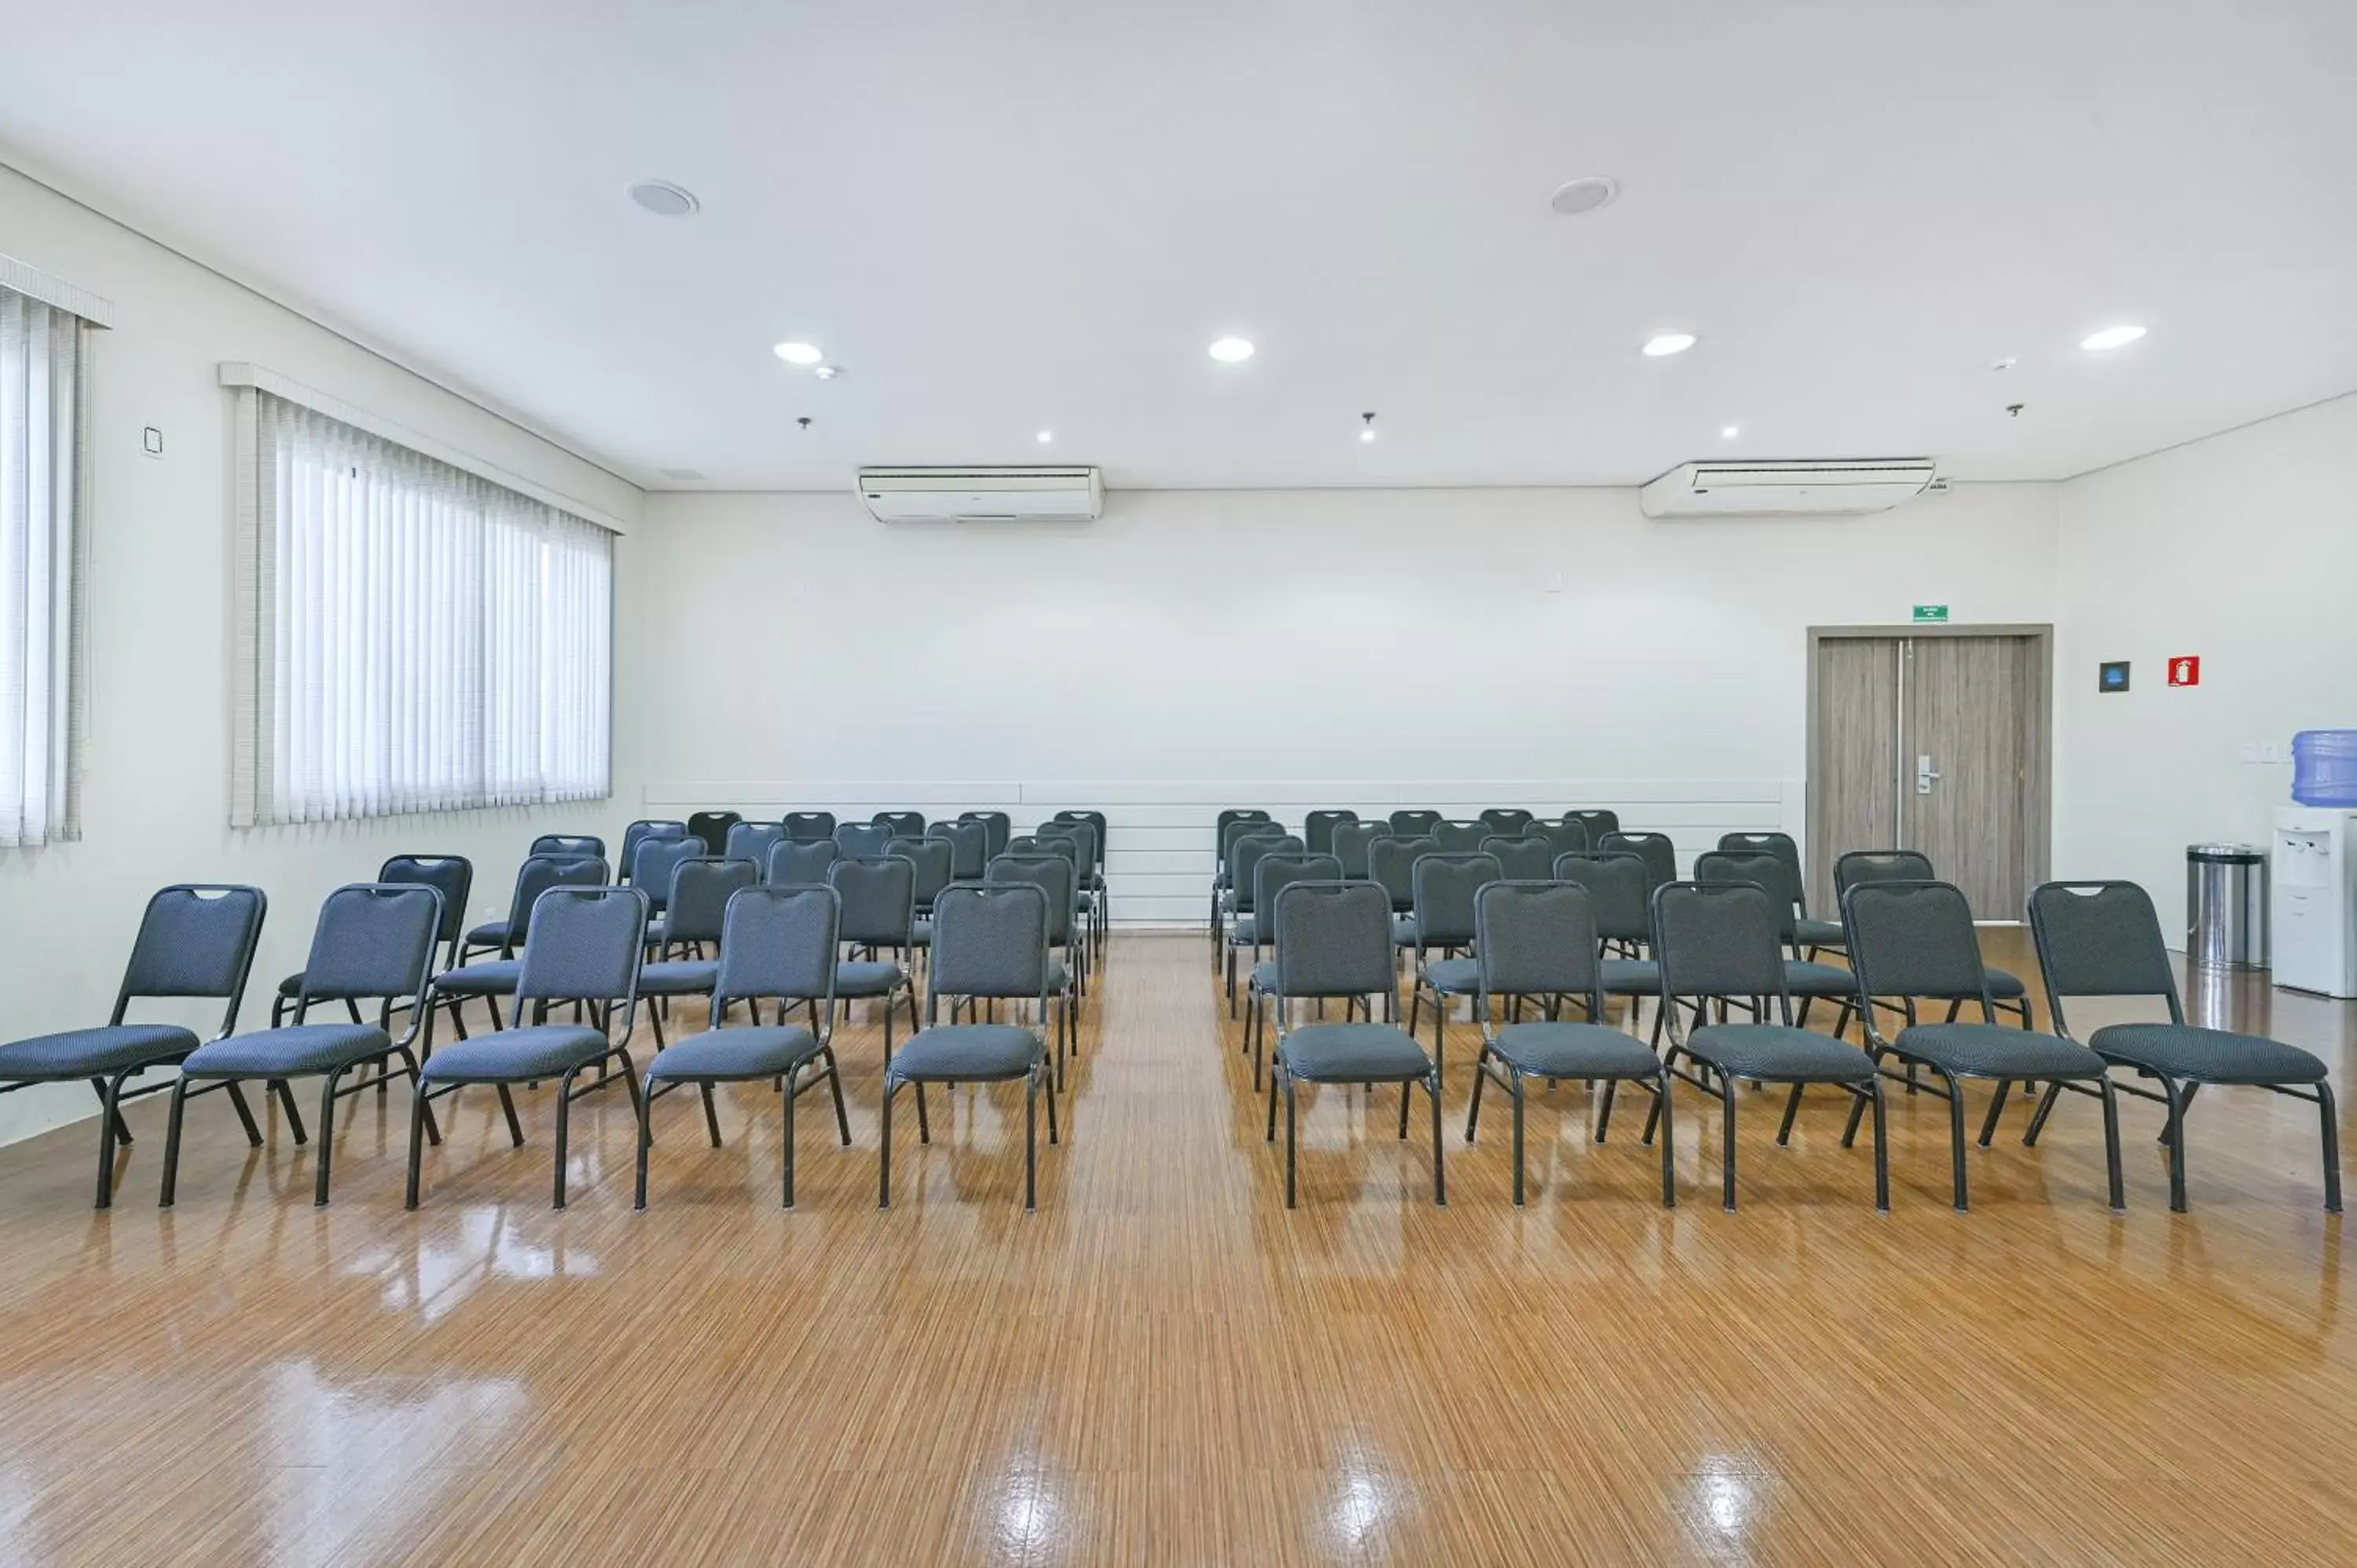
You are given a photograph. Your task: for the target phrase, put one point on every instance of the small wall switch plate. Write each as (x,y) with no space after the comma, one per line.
(151,442)
(2249,752)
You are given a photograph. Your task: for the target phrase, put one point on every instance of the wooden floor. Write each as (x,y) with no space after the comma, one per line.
(1163,1364)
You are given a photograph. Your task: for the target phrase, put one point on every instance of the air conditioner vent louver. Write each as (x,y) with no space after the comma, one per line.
(980,494)
(1787,488)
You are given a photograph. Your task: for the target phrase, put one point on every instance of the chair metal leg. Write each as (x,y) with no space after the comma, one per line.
(1289,1114)
(1031,1141)
(327,1132)
(515,1127)
(2111,1144)
(884,1147)
(1881,1152)
(417,1143)
(924,1119)
(1473,1109)
(278,1087)
(834,1085)
(1995,1110)
(793,1093)
(244,1114)
(1440,1153)
(563,1126)
(1408,1092)
(121,1128)
(2037,1119)
(1669,1153)
(2332,1147)
(1515,1078)
(1726,1152)
(1791,1109)
(2174,1134)
(712,1117)
(1957,1137)
(646,1111)
(169,1191)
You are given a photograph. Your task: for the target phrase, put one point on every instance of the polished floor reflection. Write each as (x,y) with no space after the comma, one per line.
(1163,1364)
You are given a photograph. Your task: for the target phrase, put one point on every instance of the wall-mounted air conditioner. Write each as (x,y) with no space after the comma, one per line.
(982,494)
(1787,488)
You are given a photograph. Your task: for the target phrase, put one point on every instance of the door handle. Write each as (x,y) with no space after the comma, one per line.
(1924,775)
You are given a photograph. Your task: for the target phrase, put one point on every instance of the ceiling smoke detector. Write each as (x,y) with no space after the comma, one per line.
(1585,194)
(664,199)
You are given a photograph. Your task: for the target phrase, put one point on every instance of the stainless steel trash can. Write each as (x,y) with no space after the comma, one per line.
(2226,905)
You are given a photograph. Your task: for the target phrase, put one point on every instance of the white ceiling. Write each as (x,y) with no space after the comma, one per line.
(1028,213)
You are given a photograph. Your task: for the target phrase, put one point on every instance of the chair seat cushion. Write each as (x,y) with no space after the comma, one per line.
(764,1051)
(679,977)
(1240,931)
(1779,1053)
(1818,933)
(2005,986)
(1575,1050)
(292,985)
(975,1053)
(2213,1055)
(1804,979)
(541,1050)
(658,932)
(869,979)
(1455,976)
(920,934)
(494,977)
(1404,930)
(489,934)
(1352,1053)
(80,1053)
(286,1052)
(1630,977)
(1994,1051)
(1059,979)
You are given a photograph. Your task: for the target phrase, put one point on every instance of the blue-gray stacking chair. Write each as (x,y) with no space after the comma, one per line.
(1101,827)
(1243,930)
(1052,875)
(451,876)
(1537,940)
(1724,940)
(1804,979)
(1916,939)
(568,844)
(374,942)
(1811,936)
(936,863)
(697,914)
(1413,823)
(1390,866)
(1272,876)
(2103,939)
(1236,827)
(1522,857)
(902,824)
(2005,989)
(1083,837)
(997,824)
(1445,887)
(1461,837)
(658,867)
(1351,841)
(493,978)
(990,943)
(1507,821)
(862,841)
(780,946)
(638,832)
(712,829)
(585,947)
(969,847)
(1620,900)
(877,911)
(1317,828)
(1596,820)
(1568,835)
(1069,842)
(809,827)
(799,863)
(753,841)
(195,940)
(1333,939)
(1660,856)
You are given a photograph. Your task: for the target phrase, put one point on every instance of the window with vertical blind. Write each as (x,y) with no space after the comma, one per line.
(411,636)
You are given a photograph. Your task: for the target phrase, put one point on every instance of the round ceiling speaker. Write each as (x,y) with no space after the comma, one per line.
(664,199)
(1584,193)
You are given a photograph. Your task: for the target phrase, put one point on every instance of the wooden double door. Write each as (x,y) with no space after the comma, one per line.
(1935,742)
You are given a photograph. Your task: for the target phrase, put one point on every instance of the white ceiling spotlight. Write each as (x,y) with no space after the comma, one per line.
(1045,437)
(826,372)
(799,353)
(1367,426)
(664,199)
(1661,343)
(1585,194)
(1729,432)
(1232,350)
(2118,337)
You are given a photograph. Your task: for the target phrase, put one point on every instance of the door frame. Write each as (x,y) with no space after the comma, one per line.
(2040,804)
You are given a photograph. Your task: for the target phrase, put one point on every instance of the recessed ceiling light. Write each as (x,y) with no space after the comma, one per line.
(2005,364)
(2111,338)
(1729,432)
(1366,427)
(664,199)
(1585,194)
(1232,350)
(1661,343)
(797,353)
(826,372)
(1045,437)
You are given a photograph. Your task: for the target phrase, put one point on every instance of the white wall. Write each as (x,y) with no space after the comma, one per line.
(2241,549)
(156,787)
(1289,649)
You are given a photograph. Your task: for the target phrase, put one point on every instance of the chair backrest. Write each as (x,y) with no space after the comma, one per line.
(879,900)
(1234,814)
(1317,828)
(751,841)
(1231,834)
(799,863)
(1414,821)
(1249,852)
(697,909)
(1595,820)
(568,843)
(902,824)
(1390,866)
(809,827)
(1720,938)
(969,847)
(1507,821)
(1276,872)
(657,860)
(585,945)
(1098,822)
(1881,865)
(1333,939)
(638,832)
(1460,836)
(1764,870)
(1913,939)
(861,838)
(1524,857)
(1537,938)
(195,940)
(989,940)
(936,865)
(451,876)
(2100,939)
(1351,841)
(373,939)
(1781,846)
(712,828)
(1620,891)
(1660,856)
(779,941)
(1052,873)
(540,873)
(1568,835)
(1445,887)
(1081,835)
(997,825)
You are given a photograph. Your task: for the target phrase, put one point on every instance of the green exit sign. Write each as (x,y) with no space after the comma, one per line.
(1931,612)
